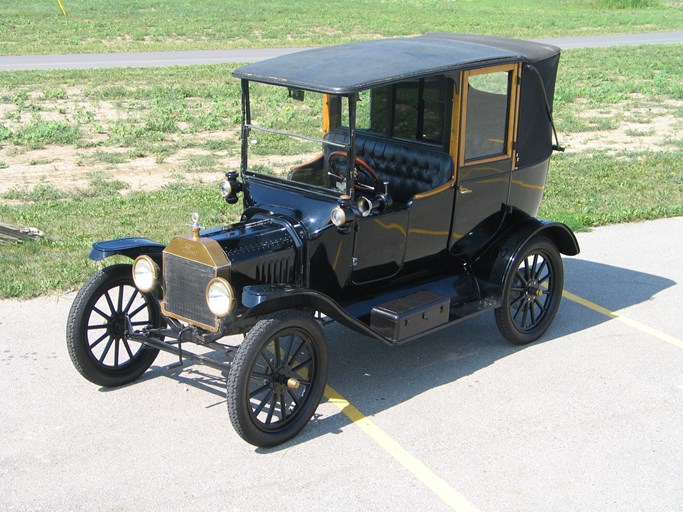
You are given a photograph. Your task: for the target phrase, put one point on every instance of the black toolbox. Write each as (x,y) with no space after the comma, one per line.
(408,316)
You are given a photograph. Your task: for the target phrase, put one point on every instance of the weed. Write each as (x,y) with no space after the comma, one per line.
(39,133)
(632,132)
(101,185)
(137,153)
(109,157)
(55,94)
(20,99)
(201,163)
(227,142)
(40,161)
(5,133)
(40,192)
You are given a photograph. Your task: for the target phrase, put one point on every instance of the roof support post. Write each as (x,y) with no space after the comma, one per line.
(351,152)
(246,120)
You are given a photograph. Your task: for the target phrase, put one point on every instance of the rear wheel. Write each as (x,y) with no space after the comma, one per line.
(531,292)
(105,309)
(277,378)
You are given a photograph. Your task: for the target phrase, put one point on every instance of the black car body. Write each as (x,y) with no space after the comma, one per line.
(415,210)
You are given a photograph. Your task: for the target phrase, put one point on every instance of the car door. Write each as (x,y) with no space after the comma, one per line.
(483,146)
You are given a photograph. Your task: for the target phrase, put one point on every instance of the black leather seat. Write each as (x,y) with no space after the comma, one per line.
(410,170)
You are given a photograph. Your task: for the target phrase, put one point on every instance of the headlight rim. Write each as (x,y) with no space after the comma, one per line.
(338,209)
(230,294)
(226,188)
(155,273)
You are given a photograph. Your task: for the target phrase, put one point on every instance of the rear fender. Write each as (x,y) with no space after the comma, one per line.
(130,247)
(491,267)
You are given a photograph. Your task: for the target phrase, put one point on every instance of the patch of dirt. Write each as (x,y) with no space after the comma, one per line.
(641,129)
(68,168)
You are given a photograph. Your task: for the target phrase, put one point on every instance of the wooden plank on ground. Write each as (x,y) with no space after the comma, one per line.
(15,234)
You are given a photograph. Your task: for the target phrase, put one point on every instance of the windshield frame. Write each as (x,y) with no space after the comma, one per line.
(248,126)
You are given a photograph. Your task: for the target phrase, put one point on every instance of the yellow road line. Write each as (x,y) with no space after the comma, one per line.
(451,497)
(637,325)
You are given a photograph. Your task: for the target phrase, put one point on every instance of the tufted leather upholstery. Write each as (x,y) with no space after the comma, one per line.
(408,169)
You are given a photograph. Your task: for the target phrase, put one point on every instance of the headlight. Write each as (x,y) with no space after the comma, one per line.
(338,216)
(219,297)
(226,188)
(145,274)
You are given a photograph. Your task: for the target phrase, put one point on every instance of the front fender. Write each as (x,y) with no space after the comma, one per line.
(261,300)
(130,247)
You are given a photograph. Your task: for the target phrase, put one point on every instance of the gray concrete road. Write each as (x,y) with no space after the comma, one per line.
(588,418)
(184,58)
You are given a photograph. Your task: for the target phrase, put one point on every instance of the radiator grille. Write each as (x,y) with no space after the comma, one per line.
(185,289)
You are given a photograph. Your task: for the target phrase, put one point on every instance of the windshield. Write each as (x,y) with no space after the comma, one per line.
(290,136)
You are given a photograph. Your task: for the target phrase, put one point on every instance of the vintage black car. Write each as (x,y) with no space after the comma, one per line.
(388,185)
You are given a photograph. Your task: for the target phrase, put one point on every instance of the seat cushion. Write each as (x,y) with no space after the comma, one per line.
(409,169)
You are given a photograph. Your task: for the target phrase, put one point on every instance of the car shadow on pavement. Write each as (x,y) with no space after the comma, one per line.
(375,377)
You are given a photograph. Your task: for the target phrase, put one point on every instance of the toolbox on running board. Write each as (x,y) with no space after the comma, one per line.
(408,316)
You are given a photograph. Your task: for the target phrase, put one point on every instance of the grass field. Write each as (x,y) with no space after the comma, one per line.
(619,111)
(28,26)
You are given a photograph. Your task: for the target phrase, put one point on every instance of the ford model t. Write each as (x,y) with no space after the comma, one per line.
(407,206)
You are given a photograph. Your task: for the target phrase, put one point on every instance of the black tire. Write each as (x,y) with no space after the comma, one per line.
(99,316)
(263,409)
(532,290)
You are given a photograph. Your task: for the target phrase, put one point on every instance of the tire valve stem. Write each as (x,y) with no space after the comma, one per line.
(293,383)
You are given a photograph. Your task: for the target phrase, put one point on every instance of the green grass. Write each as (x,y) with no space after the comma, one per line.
(592,189)
(584,190)
(38,133)
(61,261)
(40,192)
(155,107)
(28,26)
(623,77)
(148,108)
(158,110)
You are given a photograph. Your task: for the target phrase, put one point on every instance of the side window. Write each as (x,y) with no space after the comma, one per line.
(434,111)
(406,110)
(413,110)
(417,110)
(488,126)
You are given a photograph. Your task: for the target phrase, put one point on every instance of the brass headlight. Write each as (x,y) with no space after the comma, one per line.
(338,216)
(145,273)
(220,297)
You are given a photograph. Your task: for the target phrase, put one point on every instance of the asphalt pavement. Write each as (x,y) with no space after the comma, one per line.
(184,58)
(587,418)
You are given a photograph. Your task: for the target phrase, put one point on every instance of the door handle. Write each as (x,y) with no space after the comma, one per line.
(464,190)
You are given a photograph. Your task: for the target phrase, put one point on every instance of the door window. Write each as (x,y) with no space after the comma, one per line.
(490,95)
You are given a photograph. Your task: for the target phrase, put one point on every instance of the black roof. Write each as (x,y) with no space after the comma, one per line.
(352,67)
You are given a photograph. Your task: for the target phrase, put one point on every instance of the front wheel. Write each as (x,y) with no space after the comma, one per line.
(277,378)
(105,309)
(531,292)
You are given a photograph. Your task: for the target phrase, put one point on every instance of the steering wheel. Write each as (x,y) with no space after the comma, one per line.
(360,167)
